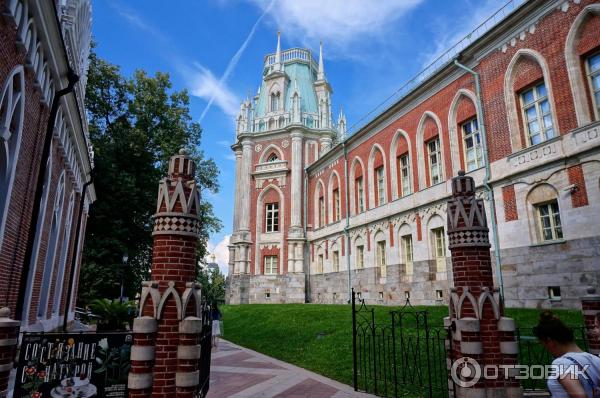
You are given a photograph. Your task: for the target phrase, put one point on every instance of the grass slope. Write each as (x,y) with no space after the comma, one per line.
(318,337)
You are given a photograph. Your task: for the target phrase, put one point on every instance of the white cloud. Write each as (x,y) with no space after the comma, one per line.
(338,23)
(203,84)
(221,253)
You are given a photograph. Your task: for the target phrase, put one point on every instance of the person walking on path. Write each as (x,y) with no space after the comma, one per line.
(576,373)
(216,316)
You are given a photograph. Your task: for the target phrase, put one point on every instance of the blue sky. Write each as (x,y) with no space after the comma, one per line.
(215,50)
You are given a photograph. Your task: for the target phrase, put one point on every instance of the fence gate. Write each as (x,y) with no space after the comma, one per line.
(397,353)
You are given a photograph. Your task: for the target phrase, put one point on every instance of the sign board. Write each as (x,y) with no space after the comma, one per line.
(73,365)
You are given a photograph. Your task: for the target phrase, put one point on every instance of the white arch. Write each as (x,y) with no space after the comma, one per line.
(352,183)
(421,144)
(331,214)
(268,150)
(393,166)
(260,211)
(371,172)
(66,242)
(455,143)
(509,96)
(12,100)
(318,223)
(577,81)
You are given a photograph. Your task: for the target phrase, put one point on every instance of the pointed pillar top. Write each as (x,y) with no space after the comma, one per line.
(277,66)
(321,72)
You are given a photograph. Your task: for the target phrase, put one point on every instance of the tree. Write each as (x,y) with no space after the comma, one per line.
(213,283)
(136,124)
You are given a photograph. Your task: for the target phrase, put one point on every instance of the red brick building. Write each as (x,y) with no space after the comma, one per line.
(517,108)
(46,157)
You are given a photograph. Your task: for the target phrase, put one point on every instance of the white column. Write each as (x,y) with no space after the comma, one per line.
(238,170)
(244,197)
(296,197)
(325,144)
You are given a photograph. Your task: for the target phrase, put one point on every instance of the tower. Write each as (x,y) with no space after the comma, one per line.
(283,129)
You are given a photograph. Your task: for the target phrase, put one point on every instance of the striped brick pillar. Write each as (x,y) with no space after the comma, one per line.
(9,336)
(481,335)
(168,330)
(590,305)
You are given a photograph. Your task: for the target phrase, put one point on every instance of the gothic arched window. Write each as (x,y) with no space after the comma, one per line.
(273,157)
(12,106)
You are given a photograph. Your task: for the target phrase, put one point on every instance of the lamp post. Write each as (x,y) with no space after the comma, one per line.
(125,259)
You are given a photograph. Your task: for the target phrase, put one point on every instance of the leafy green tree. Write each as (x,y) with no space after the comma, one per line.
(135,125)
(212,282)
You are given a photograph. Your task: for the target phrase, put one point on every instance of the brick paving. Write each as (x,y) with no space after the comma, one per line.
(238,372)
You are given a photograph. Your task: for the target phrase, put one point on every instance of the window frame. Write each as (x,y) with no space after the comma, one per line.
(336,260)
(272,217)
(593,92)
(275,100)
(360,189)
(439,242)
(381,258)
(360,256)
(322,220)
(337,213)
(272,267)
(320,263)
(477,147)
(551,218)
(380,181)
(406,244)
(438,164)
(404,183)
(538,113)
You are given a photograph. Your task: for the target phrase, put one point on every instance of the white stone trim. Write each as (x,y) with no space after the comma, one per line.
(189,351)
(395,177)
(171,291)
(455,143)
(187,379)
(351,185)
(506,324)
(8,342)
(145,324)
(260,221)
(190,325)
(142,352)
(371,180)
(139,381)
(269,149)
(330,183)
(578,84)
(421,164)
(512,108)
(509,347)
(468,325)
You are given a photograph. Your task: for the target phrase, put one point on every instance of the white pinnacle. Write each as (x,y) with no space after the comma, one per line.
(321,72)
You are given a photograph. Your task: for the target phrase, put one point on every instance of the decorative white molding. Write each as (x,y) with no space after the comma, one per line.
(170,292)
(139,381)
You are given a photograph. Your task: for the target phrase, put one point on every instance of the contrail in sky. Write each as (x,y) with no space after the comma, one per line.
(236,58)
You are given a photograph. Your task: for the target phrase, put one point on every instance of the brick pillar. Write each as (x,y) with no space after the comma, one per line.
(479,329)
(167,332)
(9,336)
(590,304)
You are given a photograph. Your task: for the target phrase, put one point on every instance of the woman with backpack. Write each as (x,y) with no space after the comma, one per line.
(577,372)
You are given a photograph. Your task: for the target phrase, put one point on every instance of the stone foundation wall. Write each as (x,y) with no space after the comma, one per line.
(266,289)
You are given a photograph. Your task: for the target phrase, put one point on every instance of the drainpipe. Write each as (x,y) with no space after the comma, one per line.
(74,254)
(72,80)
(346,228)
(306,248)
(486,179)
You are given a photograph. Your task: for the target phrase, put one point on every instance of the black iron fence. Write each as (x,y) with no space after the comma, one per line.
(397,353)
(205,350)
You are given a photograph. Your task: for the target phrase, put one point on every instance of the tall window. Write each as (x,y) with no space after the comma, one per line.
(407,253)
(321,211)
(336,261)
(593,69)
(274,102)
(404,168)
(12,106)
(272,217)
(549,221)
(273,157)
(435,161)
(320,264)
(536,114)
(360,256)
(336,205)
(472,145)
(381,258)
(380,186)
(439,248)
(270,265)
(360,204)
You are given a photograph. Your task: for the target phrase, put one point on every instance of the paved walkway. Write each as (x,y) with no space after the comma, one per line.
(238,372)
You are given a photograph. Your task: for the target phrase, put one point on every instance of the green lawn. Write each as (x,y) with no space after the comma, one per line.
(319,337)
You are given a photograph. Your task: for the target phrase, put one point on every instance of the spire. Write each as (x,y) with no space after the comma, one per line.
(321,73)
(277,65)
(342,125)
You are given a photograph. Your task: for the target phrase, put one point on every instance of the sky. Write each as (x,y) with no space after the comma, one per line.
(215,50)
